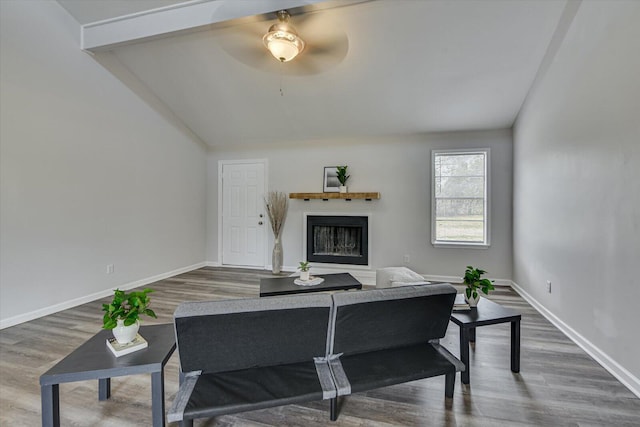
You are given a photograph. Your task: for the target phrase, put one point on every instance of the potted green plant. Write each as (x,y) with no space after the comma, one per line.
(123,313)
(474,282)
(304,270)
(342,177)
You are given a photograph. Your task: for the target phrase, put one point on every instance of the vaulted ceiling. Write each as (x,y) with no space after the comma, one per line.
(371,67)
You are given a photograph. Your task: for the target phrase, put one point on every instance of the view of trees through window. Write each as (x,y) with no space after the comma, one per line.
(460,189)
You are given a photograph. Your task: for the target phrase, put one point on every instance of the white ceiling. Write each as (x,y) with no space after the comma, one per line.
(406,66)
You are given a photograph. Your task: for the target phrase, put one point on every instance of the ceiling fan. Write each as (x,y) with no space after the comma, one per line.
(283,40)
(303,44)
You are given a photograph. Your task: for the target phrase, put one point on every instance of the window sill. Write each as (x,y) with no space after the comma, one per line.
(459,245)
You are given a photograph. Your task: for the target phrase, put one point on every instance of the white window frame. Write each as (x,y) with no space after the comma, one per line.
(487,200)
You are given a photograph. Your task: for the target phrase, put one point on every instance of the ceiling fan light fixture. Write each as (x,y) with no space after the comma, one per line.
(282,40)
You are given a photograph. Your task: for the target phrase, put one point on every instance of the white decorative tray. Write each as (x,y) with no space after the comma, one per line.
(313,281)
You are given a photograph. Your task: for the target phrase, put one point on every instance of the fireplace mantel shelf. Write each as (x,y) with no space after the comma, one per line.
(327,196)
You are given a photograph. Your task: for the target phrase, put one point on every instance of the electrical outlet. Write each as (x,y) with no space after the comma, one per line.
(406,259)
(549,286)
(110,268)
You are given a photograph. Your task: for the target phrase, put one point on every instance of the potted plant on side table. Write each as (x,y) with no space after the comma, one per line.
(123,314)
(304,270)
(474,281)
(342,177)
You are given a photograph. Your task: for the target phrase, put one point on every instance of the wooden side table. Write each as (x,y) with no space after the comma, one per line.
(94,361)
(486,313)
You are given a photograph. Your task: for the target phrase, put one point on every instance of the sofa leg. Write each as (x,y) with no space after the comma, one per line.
(449,384)
(333,405)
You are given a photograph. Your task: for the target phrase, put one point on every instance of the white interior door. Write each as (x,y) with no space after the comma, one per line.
(243,219)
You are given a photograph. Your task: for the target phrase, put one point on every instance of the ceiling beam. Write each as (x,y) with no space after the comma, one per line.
(189,16)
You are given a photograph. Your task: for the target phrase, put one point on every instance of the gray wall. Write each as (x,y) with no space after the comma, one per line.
(577,185)
(90,175)
(399,168)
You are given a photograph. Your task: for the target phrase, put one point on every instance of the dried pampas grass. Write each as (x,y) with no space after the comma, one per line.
(277,204)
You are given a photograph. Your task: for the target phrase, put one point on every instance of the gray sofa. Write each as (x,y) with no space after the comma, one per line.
(242,355)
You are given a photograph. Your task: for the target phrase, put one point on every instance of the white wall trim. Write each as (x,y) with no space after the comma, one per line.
(614,368)
(21,318)
(177,18)
(365,277)
(458,279)
(487,199)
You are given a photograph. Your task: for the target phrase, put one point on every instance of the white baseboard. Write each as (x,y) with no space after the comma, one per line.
(366,277)
(21,318)
(458,279)
(623,375)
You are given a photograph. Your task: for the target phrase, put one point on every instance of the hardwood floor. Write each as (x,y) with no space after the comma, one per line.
(559,384)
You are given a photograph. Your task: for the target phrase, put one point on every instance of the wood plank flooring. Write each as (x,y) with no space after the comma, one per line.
(559,384)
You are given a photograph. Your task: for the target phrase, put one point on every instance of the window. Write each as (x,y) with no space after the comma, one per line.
(460,193)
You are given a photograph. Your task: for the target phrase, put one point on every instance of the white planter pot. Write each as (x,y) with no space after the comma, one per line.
(304,275)
(473,302)
(343,188)
(125,334)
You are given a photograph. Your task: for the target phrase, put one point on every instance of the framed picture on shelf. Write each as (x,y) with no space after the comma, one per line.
(330,182)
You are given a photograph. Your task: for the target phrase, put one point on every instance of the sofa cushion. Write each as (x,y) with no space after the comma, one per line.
(250,389)
(230,335)
(386,318)
(366,371)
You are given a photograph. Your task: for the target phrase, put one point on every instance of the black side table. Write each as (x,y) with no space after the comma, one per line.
(486,313)
(93,360)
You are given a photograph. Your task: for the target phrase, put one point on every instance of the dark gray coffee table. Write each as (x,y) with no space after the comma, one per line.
(93,361)
(285,286)
(486,313)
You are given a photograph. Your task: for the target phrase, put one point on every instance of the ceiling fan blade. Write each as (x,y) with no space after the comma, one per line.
(334,45)
(245,47)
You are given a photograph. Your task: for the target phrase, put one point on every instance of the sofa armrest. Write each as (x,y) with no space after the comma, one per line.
(176,411)
(447,354)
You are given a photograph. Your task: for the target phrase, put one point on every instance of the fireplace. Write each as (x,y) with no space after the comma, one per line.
(337,239)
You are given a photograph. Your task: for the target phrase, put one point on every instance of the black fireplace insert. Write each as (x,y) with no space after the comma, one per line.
(338,239)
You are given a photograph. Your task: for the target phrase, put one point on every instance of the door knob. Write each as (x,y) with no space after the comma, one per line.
(259,222)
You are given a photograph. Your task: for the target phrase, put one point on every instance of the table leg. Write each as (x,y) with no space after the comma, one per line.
(515,346)
(50,396)
(157,398)
(333,409)
(472,334)
(104,388)
(464,354)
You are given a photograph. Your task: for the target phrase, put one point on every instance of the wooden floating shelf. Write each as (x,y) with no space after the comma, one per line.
(327,196)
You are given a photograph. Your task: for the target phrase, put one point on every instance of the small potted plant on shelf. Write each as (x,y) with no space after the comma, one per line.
(342,177)
(123,314)
(304,270)
(474,281)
